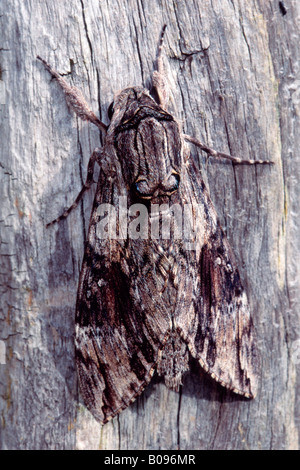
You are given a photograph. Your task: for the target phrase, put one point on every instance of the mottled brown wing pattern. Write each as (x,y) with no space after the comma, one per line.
(222,338)
(121,320)
(116,350)
(129,324)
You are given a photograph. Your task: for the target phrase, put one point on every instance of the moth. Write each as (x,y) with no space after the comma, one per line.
(159,283)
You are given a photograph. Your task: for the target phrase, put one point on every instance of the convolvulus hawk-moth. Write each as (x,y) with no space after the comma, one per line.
(159,283)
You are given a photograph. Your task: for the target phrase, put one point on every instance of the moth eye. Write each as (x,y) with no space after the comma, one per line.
(110,110)
(142,189)
(173,183)
(175,179)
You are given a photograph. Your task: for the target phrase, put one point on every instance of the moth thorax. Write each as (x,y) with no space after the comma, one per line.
(174,361)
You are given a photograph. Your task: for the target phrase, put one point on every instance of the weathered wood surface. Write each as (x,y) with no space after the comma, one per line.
(233,68)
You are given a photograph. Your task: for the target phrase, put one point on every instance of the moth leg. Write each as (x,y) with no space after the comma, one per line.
(159,76)
(214,153)
(95,157)
(75,98)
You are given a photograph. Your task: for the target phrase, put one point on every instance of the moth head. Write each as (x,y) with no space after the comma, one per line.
(146,189)
(148,144)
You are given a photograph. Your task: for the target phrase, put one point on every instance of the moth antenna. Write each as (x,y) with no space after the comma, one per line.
(158,76)
(159,61)
(213,153)
(75,98)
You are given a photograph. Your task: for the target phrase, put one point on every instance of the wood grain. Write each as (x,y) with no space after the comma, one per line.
(233,73)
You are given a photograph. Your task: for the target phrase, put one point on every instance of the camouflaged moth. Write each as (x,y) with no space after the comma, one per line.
(149,301)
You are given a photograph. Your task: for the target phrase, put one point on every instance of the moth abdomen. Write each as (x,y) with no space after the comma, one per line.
(174,360)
